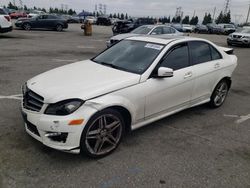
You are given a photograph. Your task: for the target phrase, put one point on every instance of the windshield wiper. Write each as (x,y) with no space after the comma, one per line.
(109,65)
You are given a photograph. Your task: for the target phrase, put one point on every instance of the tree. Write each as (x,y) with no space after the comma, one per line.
(44,10)
(178,19)
(114,16)
(185,20)
(227,17)
(110,16)
(11,6)
(118,15)
(70,12)
(126,16)
(219,18)
(194,20)
(25,7)
(173,20)
(122,16)
(207,19)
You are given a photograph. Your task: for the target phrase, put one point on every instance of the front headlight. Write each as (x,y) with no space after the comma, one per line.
(246,37)
(64,107)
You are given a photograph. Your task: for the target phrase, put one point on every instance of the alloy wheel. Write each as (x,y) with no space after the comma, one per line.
(103,135)
(220,93)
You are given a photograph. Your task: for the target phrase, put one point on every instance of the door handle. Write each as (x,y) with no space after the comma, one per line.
(217,65)
(188,75)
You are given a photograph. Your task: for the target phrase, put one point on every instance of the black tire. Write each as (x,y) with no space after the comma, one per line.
(59,27)
(219,94)
(96,139)
(26,26)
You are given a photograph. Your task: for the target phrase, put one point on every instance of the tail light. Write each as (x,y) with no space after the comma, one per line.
(7,18)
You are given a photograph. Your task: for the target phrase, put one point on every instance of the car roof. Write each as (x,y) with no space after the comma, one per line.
(163,39)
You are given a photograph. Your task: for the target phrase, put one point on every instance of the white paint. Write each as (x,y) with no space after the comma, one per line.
(16,97)
(241,118)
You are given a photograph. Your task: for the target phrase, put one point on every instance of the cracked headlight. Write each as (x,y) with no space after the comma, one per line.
(63,108)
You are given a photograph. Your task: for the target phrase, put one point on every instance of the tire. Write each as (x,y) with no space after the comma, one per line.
(219,94)
(102,134)
(27,26)
(59,27)
(229,43)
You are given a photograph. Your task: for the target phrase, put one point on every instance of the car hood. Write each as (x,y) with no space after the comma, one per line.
(23,19)
(123,36)
(84,80)
(241,34)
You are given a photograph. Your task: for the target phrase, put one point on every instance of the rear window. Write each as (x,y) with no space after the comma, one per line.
(2,12)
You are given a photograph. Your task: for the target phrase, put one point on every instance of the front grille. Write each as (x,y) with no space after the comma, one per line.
(237,36)
(32,128)
(32,101)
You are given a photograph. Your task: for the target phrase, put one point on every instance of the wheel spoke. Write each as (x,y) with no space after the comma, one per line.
(111,127)
(98,145)
(216,99)
(110,140)
(102,122)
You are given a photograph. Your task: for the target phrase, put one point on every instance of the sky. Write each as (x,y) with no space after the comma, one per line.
(155,8)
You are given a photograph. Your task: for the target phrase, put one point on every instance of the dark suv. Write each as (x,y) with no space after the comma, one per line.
(103,21)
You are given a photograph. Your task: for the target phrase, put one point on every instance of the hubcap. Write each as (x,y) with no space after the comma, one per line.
(59,28)
(221,94)
(103,134)
(27,27)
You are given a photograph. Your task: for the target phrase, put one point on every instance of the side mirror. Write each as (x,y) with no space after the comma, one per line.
(153,33)
(164,72)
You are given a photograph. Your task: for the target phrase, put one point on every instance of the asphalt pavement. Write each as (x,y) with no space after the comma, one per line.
(198,147)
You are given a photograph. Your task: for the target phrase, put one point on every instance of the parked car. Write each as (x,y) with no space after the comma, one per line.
(214,29)
(143,21)
(178,27)
(136,82)
(103,21)
(18,14)
(145,30)
(201,29)
(122,26)
(34,13)
(5,21)
(188,28)
(227,28)
(43,21)
(91,19)
(240,37)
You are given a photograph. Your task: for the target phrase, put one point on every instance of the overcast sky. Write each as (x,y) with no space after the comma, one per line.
(154,8)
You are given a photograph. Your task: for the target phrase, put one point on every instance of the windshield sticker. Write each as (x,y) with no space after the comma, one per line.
(154,46)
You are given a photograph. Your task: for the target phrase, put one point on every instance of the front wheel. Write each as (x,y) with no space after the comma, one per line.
(102,134)
(27,26)
(219,94)
(59,27)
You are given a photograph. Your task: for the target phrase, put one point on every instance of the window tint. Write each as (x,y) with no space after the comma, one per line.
(200,52)
(172,30)
(215,54)
(157,31)
(2,12)
(178,58)
(167,30)
(51,17)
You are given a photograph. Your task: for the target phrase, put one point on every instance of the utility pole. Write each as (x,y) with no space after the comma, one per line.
(226,9)
(214,13)
(248,14)
(194,14)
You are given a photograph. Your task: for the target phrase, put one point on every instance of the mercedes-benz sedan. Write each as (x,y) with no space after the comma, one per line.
(88,106)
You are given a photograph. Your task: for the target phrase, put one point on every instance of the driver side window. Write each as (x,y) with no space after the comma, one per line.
(157,31)
(177,58)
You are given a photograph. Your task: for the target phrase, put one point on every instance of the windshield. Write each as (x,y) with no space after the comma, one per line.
(243,30)
(142,30)
(228,26)
(129,55)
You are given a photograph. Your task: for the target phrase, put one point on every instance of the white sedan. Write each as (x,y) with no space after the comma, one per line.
(88,106)
(145,30)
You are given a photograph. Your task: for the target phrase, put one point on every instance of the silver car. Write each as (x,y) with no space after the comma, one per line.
(240,37)
(145,30)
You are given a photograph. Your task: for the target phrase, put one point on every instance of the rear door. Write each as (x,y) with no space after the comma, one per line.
(206,62)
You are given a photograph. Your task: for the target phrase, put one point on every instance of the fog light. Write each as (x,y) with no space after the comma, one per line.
(57,136)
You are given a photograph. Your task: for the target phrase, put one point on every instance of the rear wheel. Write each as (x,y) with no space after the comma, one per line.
(103,133)
(26,26)
(219,94)
(59,27)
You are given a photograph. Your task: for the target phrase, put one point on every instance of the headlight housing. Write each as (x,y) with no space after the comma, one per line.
(64,108)
(246,37)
